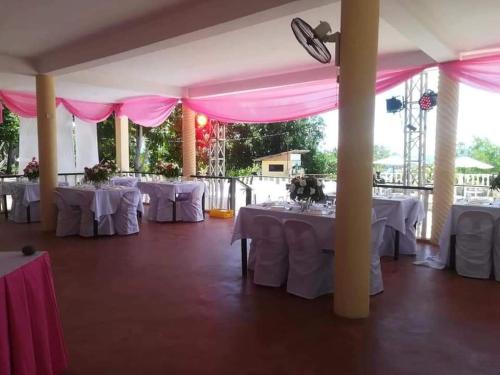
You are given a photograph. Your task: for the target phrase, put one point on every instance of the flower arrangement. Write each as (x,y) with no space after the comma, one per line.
(100,173)
(306,188)
(167,169)
(495,182)
(32,170)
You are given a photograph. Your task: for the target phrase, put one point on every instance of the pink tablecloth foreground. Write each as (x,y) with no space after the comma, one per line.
(31,339)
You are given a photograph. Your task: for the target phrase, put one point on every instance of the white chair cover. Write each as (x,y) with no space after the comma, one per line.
(271,263)
(68,217)
(190,208)
(376,281)
(474,244)
(105,223)
(19,211)
(252,254)
(496,250)
(311,270)
(125,218)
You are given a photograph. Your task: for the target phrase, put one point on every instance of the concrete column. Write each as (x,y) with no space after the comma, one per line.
(446,144)
(188,142)
(358,65)
(47,149)
(122,142)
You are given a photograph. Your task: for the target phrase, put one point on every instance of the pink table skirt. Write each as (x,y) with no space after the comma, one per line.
(31,339)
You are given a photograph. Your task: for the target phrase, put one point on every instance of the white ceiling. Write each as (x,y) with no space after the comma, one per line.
(105,50)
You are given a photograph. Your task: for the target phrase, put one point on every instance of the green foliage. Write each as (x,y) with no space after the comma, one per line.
(380,152)
(325,162)
(106,139)
(164,143)
(250,141)
(484,150)
(9,142)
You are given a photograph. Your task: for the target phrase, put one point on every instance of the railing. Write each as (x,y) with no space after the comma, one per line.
(222,192)
(423,193)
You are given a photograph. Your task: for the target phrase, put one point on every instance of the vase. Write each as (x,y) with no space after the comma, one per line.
(33,180)
(305,204)
(97,184)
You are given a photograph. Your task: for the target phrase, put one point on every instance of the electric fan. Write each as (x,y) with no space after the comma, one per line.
(313,40)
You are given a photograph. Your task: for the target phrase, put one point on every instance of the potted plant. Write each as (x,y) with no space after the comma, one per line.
(32,170)
(168,169)
(495,182)
(99,173)
(306,190)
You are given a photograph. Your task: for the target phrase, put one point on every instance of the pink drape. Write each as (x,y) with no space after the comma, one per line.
(147,111)
(481,72)
(288,102)
(88,111)
(31,340)
(20,103)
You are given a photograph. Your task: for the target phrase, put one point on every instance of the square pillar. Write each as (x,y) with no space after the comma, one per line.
(122,143)
(188,142)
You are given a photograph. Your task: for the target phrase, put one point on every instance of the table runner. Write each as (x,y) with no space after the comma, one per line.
(31,339)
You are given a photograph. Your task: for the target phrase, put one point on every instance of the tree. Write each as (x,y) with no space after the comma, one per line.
(106,139)
(484,150)
(9,142)
(380,152)
(249,141)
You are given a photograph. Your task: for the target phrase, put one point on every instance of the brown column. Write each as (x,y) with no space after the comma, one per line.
(358,63)
(446,144)
(47,149)
(188,142)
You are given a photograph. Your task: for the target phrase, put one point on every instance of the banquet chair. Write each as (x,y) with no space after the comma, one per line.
(189,206)
(104,224)
(68,217)
(310,273)
(376,281)
(496,250)
(474,242)
(125,218)
(271,260)
(19,212)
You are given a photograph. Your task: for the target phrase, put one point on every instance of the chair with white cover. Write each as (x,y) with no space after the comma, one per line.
(19,211)
(105,225)
(376,281)
(474,243)
(496,250)
(68,217)
(310,272)
(271,261)
(125,218)
(189,205)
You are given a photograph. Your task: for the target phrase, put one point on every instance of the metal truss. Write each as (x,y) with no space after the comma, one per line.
(217,150)
(415,132)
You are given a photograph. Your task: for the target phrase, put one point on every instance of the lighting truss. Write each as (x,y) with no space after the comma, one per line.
(415,132)
(217,150)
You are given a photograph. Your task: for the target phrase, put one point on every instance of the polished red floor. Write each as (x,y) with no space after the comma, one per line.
(171,300)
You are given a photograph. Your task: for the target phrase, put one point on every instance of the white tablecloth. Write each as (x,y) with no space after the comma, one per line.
(12,260)
(442,259)
(397,210)
(169,189)
(104,201)
(29,191)
(125,181)
(323,224)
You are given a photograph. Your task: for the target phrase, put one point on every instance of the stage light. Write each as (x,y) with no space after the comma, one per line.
(201,120)
(394,105)
(428,100)
(411,127)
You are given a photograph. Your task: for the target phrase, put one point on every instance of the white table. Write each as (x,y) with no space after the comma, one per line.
(27,192)
(170,190)
(102,202)
(442,259)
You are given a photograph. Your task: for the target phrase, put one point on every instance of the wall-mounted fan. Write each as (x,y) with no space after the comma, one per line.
(313,40)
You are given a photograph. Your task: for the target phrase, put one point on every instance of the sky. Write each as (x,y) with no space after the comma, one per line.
(479,116)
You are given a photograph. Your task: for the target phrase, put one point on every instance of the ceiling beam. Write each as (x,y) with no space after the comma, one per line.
(403,16)
(166,29)
(16,65)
